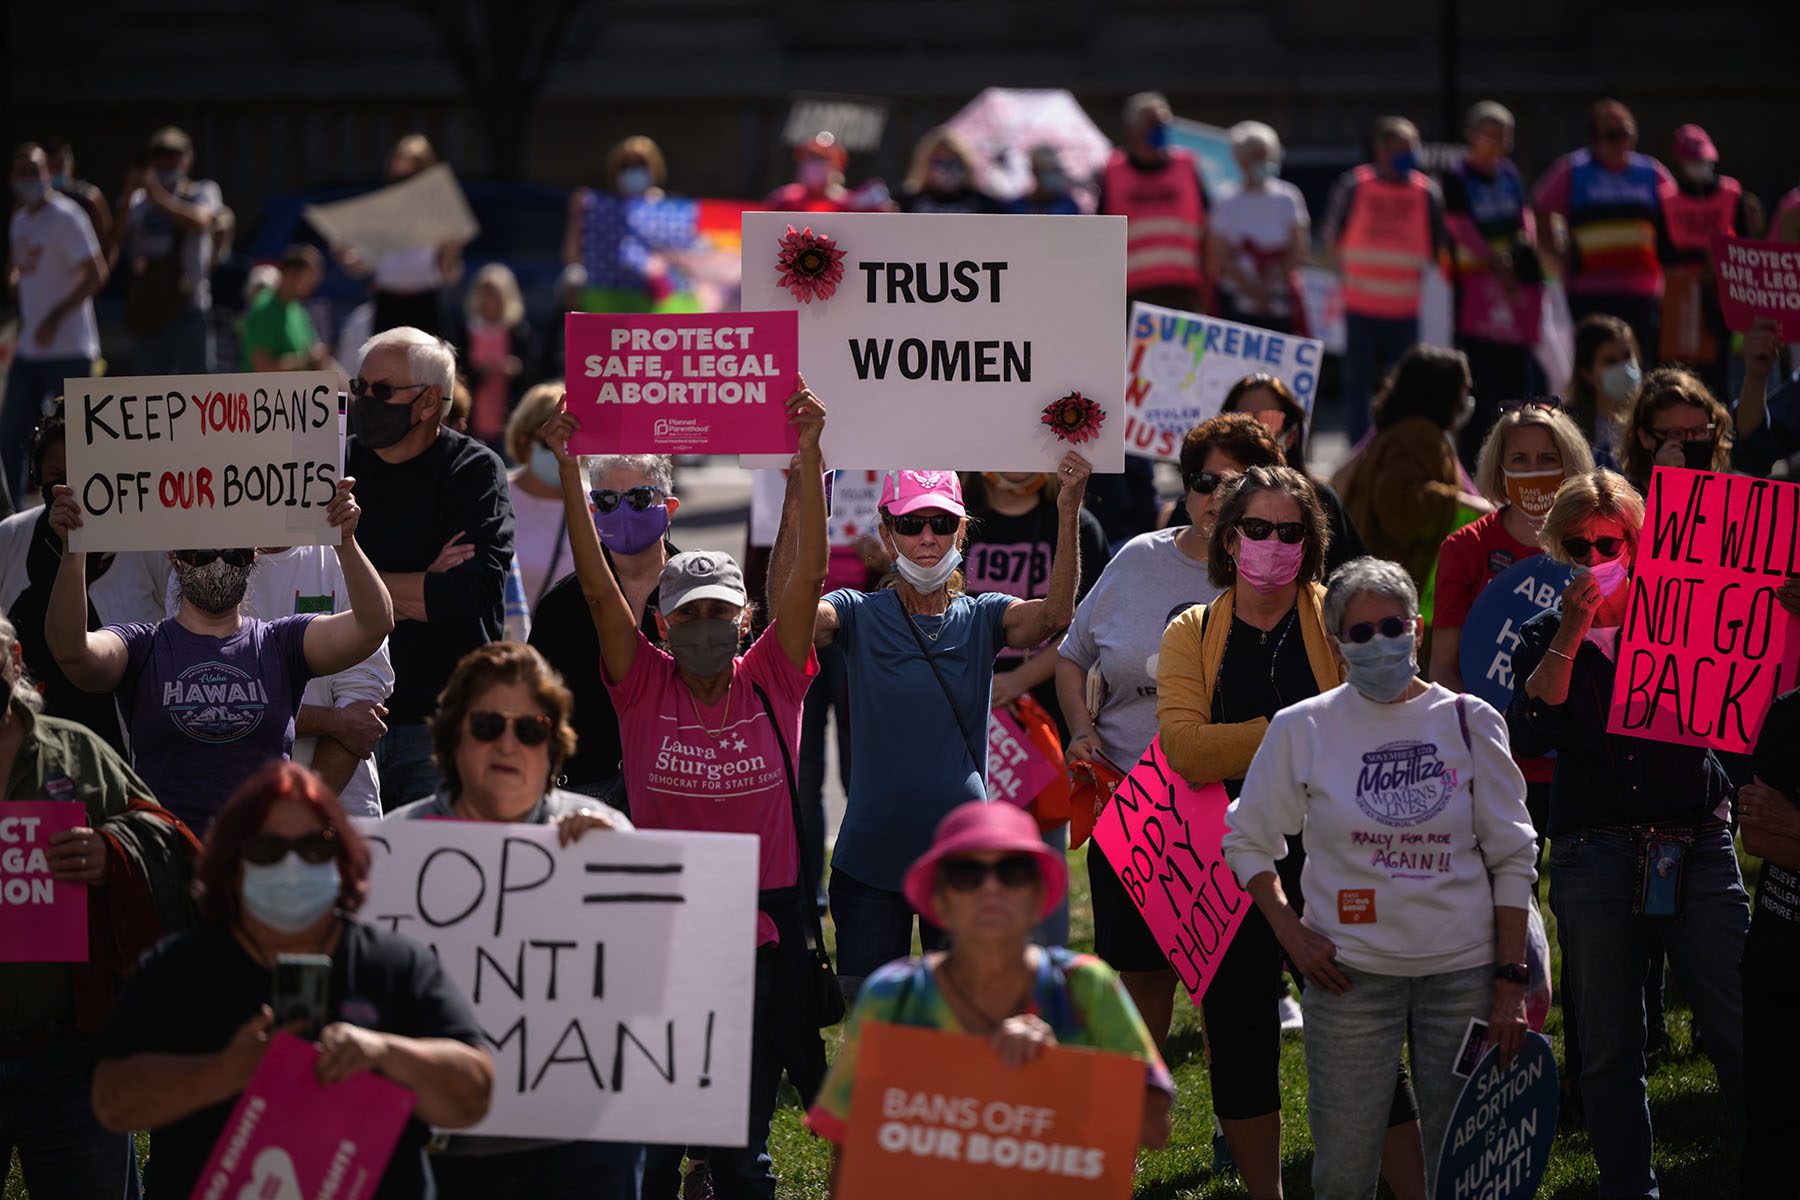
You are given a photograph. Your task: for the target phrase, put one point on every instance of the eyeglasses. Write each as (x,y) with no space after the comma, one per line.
(532,729)
(1388,627)
(267,849)
(913,524)
(967,874)
(382,391)
(1578,547)
(638,498)
(1547,403)
(1258,530)
(1684,433)
(1205,482)
(199,558)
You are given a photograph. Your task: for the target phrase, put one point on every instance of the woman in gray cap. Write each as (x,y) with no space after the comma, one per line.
(707,736)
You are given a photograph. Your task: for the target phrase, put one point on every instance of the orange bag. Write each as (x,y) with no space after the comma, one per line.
(1050,806)
(1094,785)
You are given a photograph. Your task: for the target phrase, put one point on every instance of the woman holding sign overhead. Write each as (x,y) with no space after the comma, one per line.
(708,738)
(1641,854)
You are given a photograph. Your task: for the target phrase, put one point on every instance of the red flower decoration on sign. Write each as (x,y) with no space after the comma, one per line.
(810,265)
(1074,418)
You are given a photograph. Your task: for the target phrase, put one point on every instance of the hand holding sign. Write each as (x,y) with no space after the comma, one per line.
(1022,1039)
(347,1050)
(807,414)
(344,513)
(78,855)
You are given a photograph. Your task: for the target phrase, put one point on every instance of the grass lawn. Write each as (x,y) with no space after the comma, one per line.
(1692,1155)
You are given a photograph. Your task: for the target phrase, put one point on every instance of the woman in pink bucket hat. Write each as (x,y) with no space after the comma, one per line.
(986,880)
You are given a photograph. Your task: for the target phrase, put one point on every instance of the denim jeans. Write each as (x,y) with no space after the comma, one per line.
(829,696)
(570,1171)
(874,927)
(178,348)
(64,1151)
(1372,345)
(1608,950)
(404,763)
(1353,1044)
(30,383)
(1053,930)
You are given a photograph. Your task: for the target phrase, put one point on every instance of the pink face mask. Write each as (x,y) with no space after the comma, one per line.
(1269,565)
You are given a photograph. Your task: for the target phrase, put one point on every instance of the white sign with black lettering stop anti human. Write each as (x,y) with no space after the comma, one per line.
(945,336)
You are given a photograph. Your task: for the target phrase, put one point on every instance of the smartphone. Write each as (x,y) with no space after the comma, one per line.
(302,991)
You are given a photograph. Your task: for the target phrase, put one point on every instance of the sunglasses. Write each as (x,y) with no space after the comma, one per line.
(967,874)
(1205,482)
(267,849)
(1258,530)
(638,498)
(1547,403)
(383,391)
(1616,134)
(1578,547)
(199,558)
(532,729)
(913,524)
(1388,627)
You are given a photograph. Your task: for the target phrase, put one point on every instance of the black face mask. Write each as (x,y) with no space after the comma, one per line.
(379,425)
(1697,456)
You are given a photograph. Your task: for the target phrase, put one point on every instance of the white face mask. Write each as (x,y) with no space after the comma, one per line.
(928,579)
(1620,380)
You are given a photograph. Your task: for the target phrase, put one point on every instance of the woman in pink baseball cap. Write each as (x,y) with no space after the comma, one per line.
(986,880)
(919,656)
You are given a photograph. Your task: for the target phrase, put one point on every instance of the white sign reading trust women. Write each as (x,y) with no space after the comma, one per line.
(938,341)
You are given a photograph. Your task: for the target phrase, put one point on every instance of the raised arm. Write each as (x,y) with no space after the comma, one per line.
(340,641)
(93,661)
(1029,623)
(796,612)
(612,615)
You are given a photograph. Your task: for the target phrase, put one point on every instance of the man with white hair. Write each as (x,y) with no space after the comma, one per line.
(439,529)
(1258,235)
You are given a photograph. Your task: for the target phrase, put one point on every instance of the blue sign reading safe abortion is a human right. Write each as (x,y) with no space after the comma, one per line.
(1490,636)
(1499,1137)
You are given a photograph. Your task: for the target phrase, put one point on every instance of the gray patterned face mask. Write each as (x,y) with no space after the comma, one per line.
(214,588)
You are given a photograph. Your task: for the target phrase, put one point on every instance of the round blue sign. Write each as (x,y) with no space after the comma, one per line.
(1498,1141)
(1491,634)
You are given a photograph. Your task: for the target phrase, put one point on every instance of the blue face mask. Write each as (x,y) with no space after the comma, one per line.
(634,181)
(544,465)
(1404,162)
(291,895)
(1157,136)
(1381,667)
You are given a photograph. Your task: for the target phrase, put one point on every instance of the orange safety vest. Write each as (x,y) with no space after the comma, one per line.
(1166,220)
(1693,220)
(1386,245)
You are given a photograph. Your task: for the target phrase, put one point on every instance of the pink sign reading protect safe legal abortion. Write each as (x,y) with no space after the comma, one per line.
(1705,645)
(293,1138)
(1017,769)
(1758,279)
(1162,835)
(42,919)
(700,383)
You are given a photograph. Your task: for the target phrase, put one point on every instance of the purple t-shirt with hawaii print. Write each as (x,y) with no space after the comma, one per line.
(204,713)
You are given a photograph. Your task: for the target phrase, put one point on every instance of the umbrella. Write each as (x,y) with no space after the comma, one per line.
(1004,124)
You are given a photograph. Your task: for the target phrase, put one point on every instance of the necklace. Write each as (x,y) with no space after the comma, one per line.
(930,637)
(990,1023)
(724,717)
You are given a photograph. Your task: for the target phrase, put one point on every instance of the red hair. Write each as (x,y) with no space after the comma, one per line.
(216,878)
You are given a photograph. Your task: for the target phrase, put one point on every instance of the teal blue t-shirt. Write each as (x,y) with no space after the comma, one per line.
(908,763)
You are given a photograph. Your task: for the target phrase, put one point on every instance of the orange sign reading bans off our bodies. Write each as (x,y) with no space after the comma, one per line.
(938,1114)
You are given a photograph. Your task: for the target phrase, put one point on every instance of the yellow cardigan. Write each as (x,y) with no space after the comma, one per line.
(1186,668)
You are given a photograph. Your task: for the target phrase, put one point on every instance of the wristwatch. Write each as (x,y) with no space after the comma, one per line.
(1518,973)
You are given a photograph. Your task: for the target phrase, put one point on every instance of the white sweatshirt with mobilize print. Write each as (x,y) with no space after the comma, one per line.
(1406,822)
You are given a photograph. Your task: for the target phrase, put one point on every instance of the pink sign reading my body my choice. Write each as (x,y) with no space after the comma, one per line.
(1162,836)
(691,383)
(293,1138)
(1017,769)
(42,920)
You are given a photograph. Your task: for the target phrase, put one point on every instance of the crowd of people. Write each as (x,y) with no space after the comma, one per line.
(508,632)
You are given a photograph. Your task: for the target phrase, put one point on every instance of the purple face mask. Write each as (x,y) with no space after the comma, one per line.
(625,530)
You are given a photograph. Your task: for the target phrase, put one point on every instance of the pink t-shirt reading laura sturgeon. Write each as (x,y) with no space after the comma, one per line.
(715,768)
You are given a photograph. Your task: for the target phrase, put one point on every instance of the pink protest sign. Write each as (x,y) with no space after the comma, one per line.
(691,383)
(1758,279)
(42,920)
(1705,645)
(293,1138)
(1162,836)
(1017,769)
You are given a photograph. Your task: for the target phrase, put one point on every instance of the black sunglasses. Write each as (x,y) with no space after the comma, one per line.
(638,498)
(267,849)
(1205,482)
(1258,530)
(199,558)
(1388,627)
(967,874)
(1578,547)
(382,391)
(532,729)
(913,524)
(1547,403)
